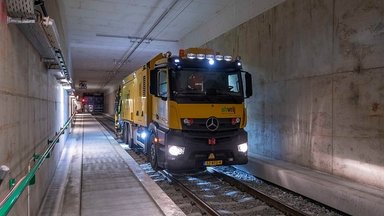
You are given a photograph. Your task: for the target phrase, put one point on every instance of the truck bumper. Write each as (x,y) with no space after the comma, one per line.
(198,152)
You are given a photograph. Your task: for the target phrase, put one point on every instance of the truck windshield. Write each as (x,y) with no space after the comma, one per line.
(203,85)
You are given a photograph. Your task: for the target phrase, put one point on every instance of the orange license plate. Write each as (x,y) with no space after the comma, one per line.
(213,163)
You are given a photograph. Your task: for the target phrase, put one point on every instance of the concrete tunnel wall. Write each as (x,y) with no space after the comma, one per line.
(318,81)
(33,106)
(318,77)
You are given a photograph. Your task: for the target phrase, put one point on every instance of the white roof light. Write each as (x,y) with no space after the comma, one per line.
(209,56)
(219,57)
(228,58)
(191,55)
(200,56)
(177,60)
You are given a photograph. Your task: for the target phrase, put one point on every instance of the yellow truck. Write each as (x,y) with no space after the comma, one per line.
(186,112)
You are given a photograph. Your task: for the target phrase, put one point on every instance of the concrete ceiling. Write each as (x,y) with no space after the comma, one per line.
(102,33)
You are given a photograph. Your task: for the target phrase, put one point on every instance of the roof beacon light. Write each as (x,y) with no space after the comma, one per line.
(191,55)
(219,57)
(228,58)
(209,56)
(200,56)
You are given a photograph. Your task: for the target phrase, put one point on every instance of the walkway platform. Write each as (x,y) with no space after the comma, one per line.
(97,177)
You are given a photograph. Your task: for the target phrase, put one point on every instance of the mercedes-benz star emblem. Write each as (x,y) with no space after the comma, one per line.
(212,124)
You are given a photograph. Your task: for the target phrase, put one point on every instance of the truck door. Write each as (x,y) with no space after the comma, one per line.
(160,101)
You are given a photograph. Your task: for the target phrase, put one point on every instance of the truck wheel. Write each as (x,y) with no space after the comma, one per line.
(153,152)
(128,136)
(131,144)
(125,133)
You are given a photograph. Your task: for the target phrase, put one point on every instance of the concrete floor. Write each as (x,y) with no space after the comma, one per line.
(97,177)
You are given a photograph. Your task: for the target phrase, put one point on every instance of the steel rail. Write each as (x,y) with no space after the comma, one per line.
(10,200)
(288,210)
(104,121)
(203,205)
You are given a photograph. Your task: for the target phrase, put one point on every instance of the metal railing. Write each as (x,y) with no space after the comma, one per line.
(9,201)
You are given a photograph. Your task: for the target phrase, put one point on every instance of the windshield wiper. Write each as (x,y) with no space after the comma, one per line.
(189,93)
(224,93)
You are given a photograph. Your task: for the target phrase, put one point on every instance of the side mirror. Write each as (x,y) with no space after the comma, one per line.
(248,85)
(153,83)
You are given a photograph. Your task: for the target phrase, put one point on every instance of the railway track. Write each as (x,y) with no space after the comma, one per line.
(227,191)
(219,194)
(107,122)
(216,193)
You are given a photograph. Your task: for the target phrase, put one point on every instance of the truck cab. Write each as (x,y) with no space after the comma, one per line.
(198,111)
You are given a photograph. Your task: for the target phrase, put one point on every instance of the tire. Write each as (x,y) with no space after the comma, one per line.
(129,139)
(152,154)
(130,143)
(125,133)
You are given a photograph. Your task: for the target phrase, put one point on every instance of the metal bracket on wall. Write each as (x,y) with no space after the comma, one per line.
(3,172)
(11,183)
(40,30)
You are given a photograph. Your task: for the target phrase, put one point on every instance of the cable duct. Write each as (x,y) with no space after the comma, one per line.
(41,31)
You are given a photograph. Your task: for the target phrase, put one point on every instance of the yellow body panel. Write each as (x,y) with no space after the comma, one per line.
(141,97)
(135,98)
(179,111)
(128,88)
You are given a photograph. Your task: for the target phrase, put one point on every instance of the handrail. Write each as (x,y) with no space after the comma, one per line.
(7,204)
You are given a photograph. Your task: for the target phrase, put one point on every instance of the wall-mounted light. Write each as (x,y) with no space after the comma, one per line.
(3,172)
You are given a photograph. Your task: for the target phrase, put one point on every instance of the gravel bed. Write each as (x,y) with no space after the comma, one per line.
(181,200)
(304,204)
(225,198)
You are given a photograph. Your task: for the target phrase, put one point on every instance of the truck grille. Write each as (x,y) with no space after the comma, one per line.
(199,124)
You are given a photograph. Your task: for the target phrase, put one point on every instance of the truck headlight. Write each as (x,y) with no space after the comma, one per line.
(143,135)
(242,147)
(176,150)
